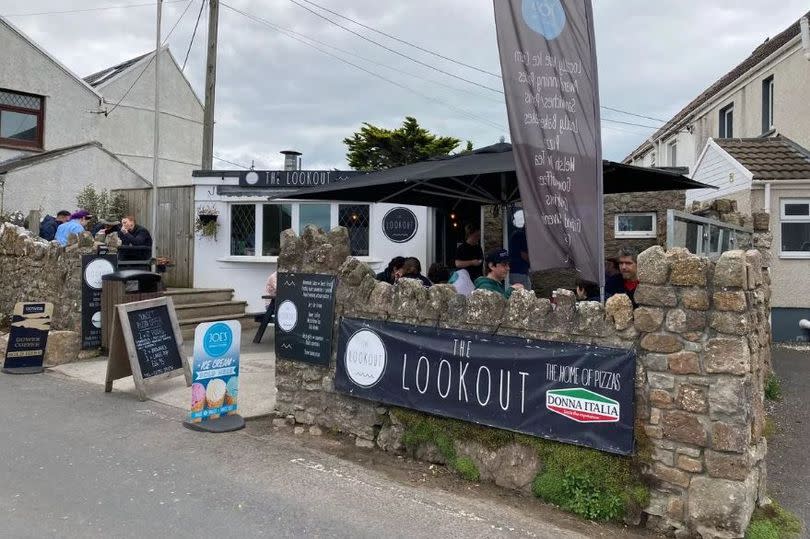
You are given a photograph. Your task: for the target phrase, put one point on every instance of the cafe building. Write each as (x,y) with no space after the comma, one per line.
(250,212)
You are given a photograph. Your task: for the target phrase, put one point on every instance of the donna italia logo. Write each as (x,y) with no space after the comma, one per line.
(582,405)
(365,358)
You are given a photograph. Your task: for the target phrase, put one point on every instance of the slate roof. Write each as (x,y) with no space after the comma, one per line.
(100,77)
(776,158)
(763,51)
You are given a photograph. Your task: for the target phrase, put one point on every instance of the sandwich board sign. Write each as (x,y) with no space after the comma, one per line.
(146,343)
(28,338)
(215,378)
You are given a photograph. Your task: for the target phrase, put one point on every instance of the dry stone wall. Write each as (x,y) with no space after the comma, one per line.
(702,340)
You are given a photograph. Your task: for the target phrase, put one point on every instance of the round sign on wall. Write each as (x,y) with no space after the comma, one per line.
(287,316)
(400,225)
(95,270)
(365,358)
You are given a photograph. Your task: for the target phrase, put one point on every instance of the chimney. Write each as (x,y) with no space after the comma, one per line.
(292,160)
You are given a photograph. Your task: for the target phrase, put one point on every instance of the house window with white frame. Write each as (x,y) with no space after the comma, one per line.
(767,104)
(727,121)
(795,227)
(672,150)
(22,119)
(635,225)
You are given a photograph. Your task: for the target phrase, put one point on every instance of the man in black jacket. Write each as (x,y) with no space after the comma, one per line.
(133,234)
(47,229)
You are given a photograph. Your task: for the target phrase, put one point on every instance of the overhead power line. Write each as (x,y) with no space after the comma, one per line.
(398,53)
(434,53)
(89,9)
(361,68)
(218,158)
(193,35)
(403,41)
(152,59)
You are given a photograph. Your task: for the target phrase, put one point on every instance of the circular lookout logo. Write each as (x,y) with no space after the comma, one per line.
(95,270)
(365,358)
(399,225)
(287,315)
(546,17)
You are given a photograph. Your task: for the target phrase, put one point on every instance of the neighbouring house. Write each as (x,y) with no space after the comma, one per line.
(768,93)
(59,132)
(768,176)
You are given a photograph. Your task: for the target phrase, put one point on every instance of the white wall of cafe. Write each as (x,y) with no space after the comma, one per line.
(216,267)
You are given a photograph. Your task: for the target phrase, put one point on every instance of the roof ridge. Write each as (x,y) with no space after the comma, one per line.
(762,51)
(105,75)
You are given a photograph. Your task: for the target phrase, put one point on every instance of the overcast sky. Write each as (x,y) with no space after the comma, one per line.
(276,93)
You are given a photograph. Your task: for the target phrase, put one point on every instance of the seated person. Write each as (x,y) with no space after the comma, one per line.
(586,291)
(626,281)
(133,234)
(460,279)
(270,288)
(391,273)
(412,269)
(76,225)
(438,273)
(47,229)
(497,262)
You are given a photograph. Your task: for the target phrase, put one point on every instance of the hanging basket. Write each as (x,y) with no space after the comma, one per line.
(206,218)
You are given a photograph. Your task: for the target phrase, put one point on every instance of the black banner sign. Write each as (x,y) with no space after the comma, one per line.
(155,341)
(400,225)
(548,60)
(294,178)
(94,267)
(28,336)
(305,313)
(571,393)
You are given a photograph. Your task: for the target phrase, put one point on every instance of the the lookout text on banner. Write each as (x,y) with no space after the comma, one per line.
(548,61)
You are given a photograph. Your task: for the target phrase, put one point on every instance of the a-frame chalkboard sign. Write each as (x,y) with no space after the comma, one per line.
(146,343)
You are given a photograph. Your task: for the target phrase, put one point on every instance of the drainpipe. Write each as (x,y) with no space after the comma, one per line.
(805,31)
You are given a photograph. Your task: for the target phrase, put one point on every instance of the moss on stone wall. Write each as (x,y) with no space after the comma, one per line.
(590,483)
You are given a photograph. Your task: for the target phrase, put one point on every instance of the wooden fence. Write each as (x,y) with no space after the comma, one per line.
(174,236)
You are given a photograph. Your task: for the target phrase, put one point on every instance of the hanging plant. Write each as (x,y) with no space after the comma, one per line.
(206,227)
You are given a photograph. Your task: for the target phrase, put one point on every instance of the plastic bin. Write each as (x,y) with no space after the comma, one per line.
(124,287)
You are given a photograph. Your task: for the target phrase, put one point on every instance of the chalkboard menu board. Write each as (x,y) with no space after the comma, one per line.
(305,313)
(146,344)
(155,342)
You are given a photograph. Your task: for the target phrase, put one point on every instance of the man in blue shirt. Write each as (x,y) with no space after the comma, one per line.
(47,229)
(76,225)
(519,253)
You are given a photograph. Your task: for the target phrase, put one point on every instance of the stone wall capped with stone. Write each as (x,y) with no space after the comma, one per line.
(702,340)
(33,269)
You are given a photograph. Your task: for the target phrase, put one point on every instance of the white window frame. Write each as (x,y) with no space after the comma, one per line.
(769,84)
(672,153)
(792,219)
(634,234)
(723,131)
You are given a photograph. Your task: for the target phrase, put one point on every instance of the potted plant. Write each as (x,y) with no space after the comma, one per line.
(206,223)
(163,263)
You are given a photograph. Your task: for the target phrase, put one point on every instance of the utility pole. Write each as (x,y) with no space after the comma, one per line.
(155,159)
(210,86)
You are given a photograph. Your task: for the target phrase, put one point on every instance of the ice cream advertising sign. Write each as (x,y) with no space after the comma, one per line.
(215,370)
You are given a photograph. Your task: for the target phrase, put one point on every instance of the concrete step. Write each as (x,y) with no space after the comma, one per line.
(193,311)
(187,327)
(185,296)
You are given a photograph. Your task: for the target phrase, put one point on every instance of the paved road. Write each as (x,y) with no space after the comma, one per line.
(80,463)
(787,448)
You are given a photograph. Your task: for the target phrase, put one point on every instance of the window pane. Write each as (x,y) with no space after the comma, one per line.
(18,126)
(319,215)
(635,223)
(275,218)
(243,230)
(714,239)
(20,100)
(355,217)
(795,236)
(797,209)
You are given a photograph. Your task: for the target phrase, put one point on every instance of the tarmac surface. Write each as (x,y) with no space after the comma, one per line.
(789,445)
(82,463)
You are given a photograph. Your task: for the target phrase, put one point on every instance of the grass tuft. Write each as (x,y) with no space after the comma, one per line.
(773,522)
